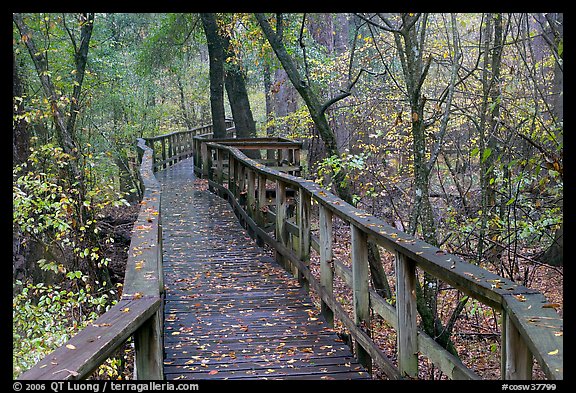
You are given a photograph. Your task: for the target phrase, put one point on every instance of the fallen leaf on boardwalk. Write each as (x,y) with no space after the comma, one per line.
(555,352)
(551,305)
(520,298)
(126,309)
(212,372)
(138,265)
(70,346)
(138,295)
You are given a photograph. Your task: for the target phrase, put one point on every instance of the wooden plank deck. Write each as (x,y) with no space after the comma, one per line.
(230,311)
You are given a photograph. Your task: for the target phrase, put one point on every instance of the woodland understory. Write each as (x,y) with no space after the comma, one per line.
(447,126)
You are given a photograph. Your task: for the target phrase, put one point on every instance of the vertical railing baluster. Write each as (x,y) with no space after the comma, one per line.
(251,197)
(516,356)
(360,290)
(281,234)
(407,332)
(304,206)
(164,163)
(326,264)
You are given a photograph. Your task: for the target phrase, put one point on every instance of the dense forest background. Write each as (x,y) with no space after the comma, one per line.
(447,126)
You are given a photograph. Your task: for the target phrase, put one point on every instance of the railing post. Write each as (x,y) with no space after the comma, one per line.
(197,155)
(241,173)
(407,332)
(170,150)
(261,206)
(251,197)
(220,166)
(164,163)
(360,290)
(232,174)
(304,203)
(297,161)
(205,159)
(281,234)
(326,272)
(149,349)
(516,356)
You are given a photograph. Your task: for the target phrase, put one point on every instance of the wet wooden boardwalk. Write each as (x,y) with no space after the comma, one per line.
(230,311)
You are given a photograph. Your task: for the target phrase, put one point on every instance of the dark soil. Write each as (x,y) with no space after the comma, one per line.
(116,223)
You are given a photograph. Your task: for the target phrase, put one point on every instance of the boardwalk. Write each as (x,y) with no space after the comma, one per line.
(230,311)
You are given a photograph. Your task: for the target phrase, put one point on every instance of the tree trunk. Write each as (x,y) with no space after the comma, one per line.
(317,112)
(268,94)
(216,56)
(235,83)
(20,135)
(185,116)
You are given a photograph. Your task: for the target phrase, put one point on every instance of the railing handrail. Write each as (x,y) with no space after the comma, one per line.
(531,328)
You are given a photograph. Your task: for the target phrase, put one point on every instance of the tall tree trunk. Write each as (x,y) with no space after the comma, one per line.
(235,83)
(20,134)
(183,108)
(317,113)
(268,95)
(216,60)
(489,122)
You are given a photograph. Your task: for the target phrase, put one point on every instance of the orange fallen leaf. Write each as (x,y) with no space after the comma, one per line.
(212,372)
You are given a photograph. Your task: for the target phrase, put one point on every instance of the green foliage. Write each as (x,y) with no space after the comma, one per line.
(45,316)
(352,165)
(46,206)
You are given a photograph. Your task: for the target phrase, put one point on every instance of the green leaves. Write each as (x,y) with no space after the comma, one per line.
(486,154)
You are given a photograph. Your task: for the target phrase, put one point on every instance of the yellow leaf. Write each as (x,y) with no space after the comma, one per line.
(520,298)
(554,352)
(126,309)
(70,346)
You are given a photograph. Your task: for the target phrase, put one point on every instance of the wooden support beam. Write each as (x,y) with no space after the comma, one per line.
(232,174)
(251,197)
(304,206)
(219,166)
(281,233)
(326,272)
(149,348)
(407,330)
(205,159)
(361,297)
(163,142)
(516,356)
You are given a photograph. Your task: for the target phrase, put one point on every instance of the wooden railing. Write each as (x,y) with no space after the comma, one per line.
(530,329)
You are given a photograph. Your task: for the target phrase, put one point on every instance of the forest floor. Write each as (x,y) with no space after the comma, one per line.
(477,332)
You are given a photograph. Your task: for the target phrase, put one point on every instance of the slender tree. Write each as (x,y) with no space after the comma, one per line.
(216,59)
(317,111)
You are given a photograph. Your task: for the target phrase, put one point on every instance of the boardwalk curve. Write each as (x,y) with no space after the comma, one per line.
(230,311)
